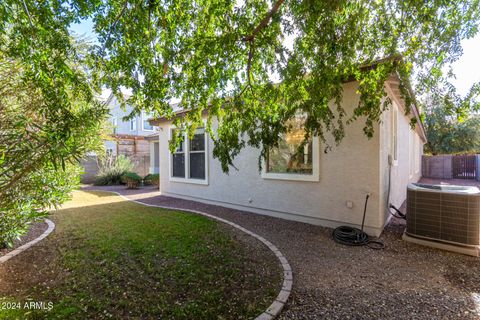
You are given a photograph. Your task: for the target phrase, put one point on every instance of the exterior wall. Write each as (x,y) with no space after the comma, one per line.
(123,127)
(347,173)
(407,168)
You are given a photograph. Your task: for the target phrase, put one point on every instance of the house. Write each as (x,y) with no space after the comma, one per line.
(135,138)
(327,189)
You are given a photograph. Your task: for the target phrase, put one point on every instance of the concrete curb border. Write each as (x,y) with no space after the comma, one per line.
(276,307)
(13,253)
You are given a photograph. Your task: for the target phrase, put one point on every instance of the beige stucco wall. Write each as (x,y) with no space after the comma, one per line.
(347,173)
(408,167)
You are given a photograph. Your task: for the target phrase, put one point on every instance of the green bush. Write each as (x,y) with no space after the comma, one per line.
(111,170)
(127,174)
(152,179)
(132,180)
(46,189)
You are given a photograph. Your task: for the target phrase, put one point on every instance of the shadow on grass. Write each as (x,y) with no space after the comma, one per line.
(112,257)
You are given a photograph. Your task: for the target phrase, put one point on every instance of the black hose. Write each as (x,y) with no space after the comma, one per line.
(351,236)
(397,214)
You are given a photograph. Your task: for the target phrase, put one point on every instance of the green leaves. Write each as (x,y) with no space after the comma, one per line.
(48,115)
(450,130)
(235,55)
(251,65)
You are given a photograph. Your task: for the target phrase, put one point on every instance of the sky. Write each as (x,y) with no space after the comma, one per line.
(466,69)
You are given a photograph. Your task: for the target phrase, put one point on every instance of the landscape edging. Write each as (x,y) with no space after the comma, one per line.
(277,305)
(13,253)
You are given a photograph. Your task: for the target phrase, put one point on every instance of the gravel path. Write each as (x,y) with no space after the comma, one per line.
(403,281)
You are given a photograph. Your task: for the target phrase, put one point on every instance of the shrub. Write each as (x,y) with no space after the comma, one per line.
(46,189)
(152,179)
(132,180)
(111,170)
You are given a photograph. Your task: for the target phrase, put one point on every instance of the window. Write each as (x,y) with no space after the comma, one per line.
(395,135)
(133,124)
(189,161)
(178,162)
(294,158)
(197,155)
(146,126)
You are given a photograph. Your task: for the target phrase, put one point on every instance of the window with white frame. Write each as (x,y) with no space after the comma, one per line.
(395,134)
(189,161)
(146,126)
(295,158)
(196,155)
(133,124)
(178,161)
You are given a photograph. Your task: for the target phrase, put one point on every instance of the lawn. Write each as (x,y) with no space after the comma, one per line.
(109,258)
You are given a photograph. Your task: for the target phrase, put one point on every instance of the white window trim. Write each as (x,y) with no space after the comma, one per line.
(143,123)
(133,121)
(394,134)
(186,151)
(314,177)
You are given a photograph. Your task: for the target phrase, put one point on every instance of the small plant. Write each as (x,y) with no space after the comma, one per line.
(132,180)
(111,170)
(152,179)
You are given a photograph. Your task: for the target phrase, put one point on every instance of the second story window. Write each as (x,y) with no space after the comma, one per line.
(133,124)
(146,126)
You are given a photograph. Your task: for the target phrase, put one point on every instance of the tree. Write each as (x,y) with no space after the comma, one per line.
(49,117)
(232,58)
(446,131)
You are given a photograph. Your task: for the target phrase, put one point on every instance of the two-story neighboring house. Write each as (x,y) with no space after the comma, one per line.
(135,138)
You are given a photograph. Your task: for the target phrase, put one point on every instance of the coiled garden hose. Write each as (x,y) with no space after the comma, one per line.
(351,236)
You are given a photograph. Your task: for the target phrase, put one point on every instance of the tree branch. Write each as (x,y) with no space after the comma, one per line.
(249,64)
(265,21)
(28,13)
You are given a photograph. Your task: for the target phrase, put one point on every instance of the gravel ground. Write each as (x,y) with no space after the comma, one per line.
(35,230)
(331,281)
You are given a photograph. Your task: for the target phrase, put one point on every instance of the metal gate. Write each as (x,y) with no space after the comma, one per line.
(464,167)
